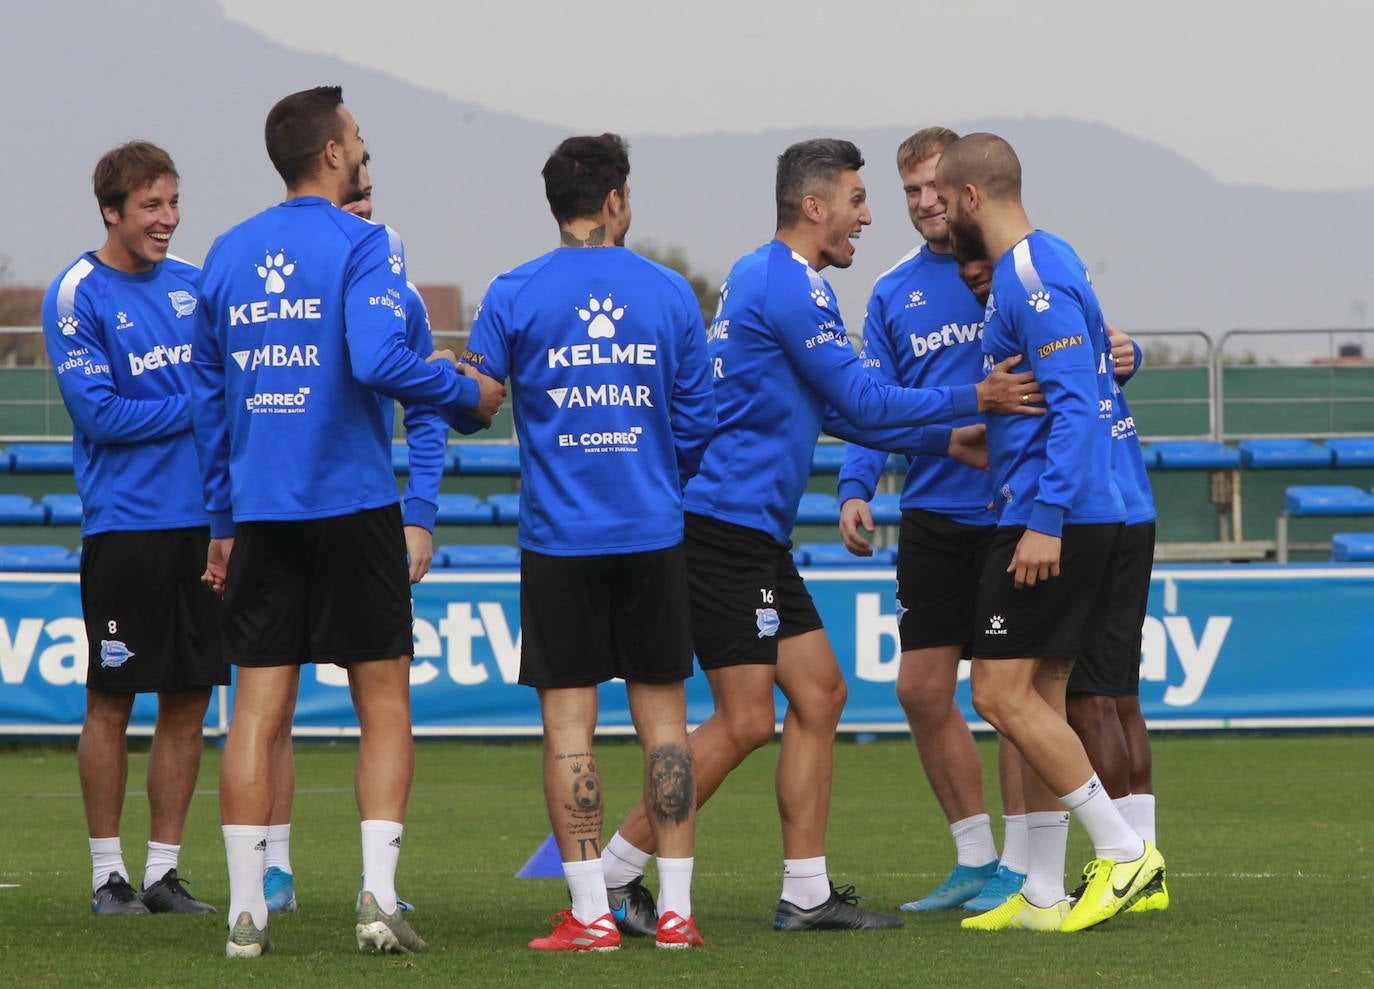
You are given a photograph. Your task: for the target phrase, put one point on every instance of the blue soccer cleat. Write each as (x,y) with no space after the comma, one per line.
(963,884)
(1004,884)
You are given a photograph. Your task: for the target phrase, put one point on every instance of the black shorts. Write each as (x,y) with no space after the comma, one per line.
(939,562)
(746,593)
(587,619)
(1111,667)
(151,625)
(331,590)
(1057,618)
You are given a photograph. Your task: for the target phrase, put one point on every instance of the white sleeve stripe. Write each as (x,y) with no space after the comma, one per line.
(1025,267)
(66,292)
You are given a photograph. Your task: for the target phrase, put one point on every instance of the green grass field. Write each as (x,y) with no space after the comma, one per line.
(1267,837)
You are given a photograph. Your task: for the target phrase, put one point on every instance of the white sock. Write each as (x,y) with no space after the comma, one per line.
(622,862)
(381,853)
(587,885)
(1111,836)
(805,883)
(1014,843)
(973,840)
(160,858)
(106,856)
(675,886)
(279,846)
(1047,840)
(245,847)
(1139,811)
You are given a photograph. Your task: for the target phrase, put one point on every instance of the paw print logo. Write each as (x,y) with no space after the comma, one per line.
(396,263)
(916,298)
(68,325)
(995,623)
(123,317)
(274,270)
(1040,300)
(601,316)
(819,294)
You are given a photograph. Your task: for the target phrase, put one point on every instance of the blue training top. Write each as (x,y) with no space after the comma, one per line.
(784,370)
(923,328)
(1054,469)
(426,433)
(120,345)
(299,341)
(612,396)
(1128,460)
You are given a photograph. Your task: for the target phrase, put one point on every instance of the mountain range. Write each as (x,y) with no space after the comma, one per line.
(1170,246)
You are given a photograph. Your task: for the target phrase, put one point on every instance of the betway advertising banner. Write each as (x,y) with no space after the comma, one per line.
(1223,646)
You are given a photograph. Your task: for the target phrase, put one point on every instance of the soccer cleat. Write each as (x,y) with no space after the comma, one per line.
(1005,884)
(168,895)
(279,888)
(841,912)
(632,906)
(675,931)
(570,934)
(1019,913)
(1111,886)
(964,883)
(385,933)
(1155,896)
(117,898)
(246,941)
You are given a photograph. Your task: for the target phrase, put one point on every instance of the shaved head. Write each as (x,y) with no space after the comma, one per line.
(985,161)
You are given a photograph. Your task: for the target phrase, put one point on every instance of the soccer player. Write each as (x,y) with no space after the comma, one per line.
(426,437)
(923,327)
(1103,703)
(1059,514)
(299,351)
(117,327)
(783,370)
(613,408)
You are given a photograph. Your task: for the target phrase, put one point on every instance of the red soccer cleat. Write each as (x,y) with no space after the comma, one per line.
(570,934)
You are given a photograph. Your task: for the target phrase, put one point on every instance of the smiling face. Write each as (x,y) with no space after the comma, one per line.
(922,204)
(977,275)
(843,215)
(138,233)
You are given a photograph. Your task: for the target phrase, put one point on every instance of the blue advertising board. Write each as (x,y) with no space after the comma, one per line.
(1252,646)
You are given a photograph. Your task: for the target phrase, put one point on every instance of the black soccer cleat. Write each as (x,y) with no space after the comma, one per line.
(117,898)
(168,895)
(633,908)
(839,913)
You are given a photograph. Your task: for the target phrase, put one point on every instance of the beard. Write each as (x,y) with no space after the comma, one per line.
(966,241)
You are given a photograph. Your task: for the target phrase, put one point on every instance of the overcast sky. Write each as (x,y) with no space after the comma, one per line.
(1257,92)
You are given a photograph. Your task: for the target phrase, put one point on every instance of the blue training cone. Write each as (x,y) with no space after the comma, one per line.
(545,863)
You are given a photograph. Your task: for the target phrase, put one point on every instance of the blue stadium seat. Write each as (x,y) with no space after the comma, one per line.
(16,509)
(897,463)
(835,555)
(1352,547)
(507,507)
(6,461)
(464,509)
(818,509)
(1283,452)
(477,557)
(1151,456)
(41,458)
(886,509)
(41,559)
(1327,499)
(491,459)
(828,458)
(1352,451)
(1195,455)
(63,509)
